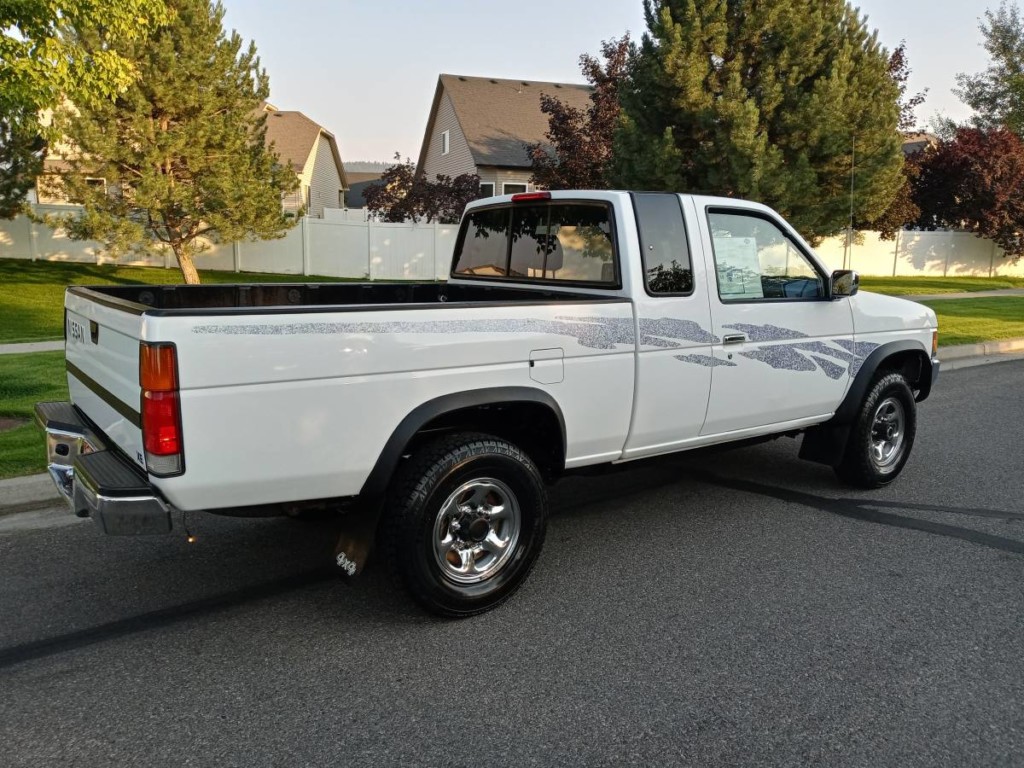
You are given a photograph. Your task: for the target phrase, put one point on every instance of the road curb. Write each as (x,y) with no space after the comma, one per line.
(21,494)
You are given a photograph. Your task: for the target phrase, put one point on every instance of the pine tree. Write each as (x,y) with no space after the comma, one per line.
(21,159)
(773,100)
(182,148)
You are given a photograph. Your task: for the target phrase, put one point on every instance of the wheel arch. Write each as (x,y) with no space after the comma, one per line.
(529,417)
(826,443)
(907,357)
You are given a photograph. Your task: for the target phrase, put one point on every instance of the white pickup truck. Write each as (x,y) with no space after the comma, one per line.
(576,329)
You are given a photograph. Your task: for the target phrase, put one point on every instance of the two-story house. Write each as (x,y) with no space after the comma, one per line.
(481,125)
(308,148)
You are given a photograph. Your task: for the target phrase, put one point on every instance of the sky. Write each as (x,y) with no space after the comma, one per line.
(366,69)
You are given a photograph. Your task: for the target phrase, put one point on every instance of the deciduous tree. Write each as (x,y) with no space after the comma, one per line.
(402,195)
(765,101)
(997,94)
(976,182)
(181,148)
(43,63)
(42,60)
(579,142)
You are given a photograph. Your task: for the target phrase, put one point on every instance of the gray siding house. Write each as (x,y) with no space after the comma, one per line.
(312,152)
(480,125)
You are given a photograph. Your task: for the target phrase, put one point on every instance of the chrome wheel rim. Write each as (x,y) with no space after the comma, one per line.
(476,531)
(888,432)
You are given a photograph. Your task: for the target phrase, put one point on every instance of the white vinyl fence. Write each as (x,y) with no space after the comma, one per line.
(344,244)
(341,246)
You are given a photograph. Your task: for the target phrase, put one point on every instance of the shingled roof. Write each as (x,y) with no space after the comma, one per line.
(498,117)
(294,135)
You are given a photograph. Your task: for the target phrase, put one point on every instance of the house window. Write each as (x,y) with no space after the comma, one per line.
(100,184)
(512,189)
(445,142)
(487,189)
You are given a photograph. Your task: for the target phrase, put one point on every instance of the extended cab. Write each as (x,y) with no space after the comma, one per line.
(576,329)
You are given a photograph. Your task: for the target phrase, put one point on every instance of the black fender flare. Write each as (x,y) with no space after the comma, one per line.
(376,484)
(847,410)
(826,442)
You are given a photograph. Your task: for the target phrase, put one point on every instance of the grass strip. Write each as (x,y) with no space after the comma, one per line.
(971,321)
(924,286)
(24,381)
(32,293)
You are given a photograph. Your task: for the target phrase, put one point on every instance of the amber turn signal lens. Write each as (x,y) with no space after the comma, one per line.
(935,343)
(158,367)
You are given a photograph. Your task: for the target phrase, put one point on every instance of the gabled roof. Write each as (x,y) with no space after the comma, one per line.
(498,117)
(294,136)
(915,142)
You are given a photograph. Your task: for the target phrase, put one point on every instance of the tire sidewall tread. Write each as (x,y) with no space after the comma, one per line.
(423,482)
(856,467)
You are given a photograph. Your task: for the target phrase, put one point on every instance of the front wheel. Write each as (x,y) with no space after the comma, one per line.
(882,434)
(465,522)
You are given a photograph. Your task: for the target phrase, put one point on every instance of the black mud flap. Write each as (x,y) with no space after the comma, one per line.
(356,538)
(825,444)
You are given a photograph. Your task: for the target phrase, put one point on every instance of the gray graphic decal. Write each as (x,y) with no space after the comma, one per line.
(656,332)
(591,332)
(781,357)
(706,360)
(767,332)
(860,350)
(831,370)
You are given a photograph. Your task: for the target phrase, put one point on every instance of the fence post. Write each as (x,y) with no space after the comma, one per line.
(33,247)
(369,248)
(236,255)
(305,245)
(896,251)
(992,260)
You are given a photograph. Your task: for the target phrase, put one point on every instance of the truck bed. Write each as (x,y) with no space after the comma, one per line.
(325,297)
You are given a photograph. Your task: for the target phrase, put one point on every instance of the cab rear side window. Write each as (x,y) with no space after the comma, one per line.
(559,242)
(666,253)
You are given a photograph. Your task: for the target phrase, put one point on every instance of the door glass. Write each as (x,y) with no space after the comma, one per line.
(755,260)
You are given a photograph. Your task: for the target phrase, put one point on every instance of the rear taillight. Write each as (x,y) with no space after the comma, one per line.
(161,409)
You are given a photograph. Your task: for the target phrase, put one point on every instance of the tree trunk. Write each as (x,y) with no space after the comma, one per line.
(188,267)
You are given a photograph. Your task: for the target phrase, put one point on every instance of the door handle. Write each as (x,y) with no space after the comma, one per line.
(734,338)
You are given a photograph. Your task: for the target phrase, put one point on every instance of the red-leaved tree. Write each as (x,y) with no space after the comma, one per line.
(579,142)
(975,182)
(401,195)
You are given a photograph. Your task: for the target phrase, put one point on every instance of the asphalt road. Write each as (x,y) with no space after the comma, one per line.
(730,608)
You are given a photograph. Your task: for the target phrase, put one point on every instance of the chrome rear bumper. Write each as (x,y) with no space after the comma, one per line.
(95,481)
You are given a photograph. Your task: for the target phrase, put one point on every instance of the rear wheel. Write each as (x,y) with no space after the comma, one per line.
(465,522)
(882,435)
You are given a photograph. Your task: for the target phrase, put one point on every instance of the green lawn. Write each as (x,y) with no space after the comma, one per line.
(908,286)
(32,293)
(24,381)
(969,321)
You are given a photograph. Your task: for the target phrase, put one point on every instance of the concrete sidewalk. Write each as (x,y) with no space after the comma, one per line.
(22,494)
(963,294)
(31,346)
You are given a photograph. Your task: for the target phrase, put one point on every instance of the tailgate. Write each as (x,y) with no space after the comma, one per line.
(102,351)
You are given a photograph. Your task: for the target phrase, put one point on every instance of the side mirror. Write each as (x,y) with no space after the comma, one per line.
(845,282)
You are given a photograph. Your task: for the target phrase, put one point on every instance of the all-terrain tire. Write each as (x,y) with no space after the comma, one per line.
(882,435)
(449,508)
